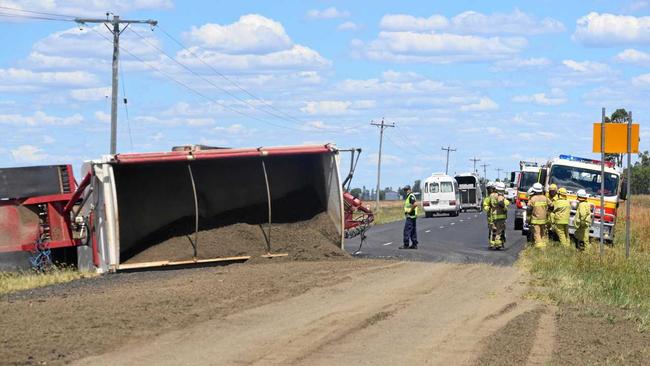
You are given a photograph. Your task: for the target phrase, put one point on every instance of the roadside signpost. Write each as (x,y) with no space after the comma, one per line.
(616,138)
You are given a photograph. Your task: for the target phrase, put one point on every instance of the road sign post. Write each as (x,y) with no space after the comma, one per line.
(616,138)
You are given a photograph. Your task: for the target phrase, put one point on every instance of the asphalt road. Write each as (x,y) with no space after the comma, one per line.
(461,239)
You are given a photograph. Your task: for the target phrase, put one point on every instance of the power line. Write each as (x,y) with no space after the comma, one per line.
(474,160)
(381,126)
(126,108)
(39,12)
(24,16)
(185,67)
(448,149)
(202,95)
(225,77)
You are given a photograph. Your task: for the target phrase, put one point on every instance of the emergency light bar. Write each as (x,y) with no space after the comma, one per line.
(608,164)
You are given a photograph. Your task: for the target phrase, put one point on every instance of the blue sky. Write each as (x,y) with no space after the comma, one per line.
(502,81)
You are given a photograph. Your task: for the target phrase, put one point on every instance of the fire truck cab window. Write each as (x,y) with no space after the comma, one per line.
(574,178)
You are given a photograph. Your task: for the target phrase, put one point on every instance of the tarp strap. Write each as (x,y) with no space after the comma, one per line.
(195,242)
(268,199)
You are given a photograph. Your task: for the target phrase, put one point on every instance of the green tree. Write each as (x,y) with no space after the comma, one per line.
(640,183)
(417,186)
(356,192)
(619,116)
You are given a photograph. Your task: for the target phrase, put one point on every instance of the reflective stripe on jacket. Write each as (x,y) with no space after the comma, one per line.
(583,215)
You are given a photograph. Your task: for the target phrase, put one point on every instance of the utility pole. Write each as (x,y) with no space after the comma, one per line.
(474,160)
(381,126)
(485,170)
(498,173)
(113,26)
(448,149)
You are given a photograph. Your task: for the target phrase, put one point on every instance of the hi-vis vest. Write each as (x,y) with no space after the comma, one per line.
(409,210)
(561,211)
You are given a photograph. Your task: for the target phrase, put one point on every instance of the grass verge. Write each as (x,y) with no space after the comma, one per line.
(18,281)
(584,278)
(391,211)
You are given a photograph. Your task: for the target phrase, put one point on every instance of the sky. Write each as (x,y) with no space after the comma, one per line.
(500,81)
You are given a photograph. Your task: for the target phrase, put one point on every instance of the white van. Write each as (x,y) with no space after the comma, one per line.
(440,195)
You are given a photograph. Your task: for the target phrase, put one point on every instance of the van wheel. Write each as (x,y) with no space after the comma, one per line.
(428,215)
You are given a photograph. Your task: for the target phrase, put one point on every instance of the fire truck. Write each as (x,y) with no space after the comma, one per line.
(575,173)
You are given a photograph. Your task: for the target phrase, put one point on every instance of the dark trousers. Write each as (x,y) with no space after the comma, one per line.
(410,232)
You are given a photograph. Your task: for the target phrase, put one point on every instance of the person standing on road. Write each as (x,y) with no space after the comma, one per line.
(486,207)
(410,216)
(499,213)
(582,220)
(561,215)
(538,208)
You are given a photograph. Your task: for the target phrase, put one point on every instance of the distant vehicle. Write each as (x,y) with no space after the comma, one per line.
(511,194)
(440,195)
(529,174)
(471,195)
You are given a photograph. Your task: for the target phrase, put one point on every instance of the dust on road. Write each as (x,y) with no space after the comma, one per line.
(377,313)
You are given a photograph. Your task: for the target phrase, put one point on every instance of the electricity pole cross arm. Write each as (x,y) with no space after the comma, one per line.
(115,22)
(449,149)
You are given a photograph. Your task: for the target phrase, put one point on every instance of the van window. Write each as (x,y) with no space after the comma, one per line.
(433,188)
(446,187)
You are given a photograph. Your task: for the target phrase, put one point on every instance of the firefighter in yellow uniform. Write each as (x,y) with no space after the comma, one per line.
(538,208)
(582,221)
(552,195)
(499,214)
(561,215)
(486,207)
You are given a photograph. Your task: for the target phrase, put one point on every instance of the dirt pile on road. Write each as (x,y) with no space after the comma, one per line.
(312,239)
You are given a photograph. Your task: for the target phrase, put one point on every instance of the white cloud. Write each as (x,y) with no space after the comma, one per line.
(48,139)
(440,47)
(521,63)
(40,118)
(102,117)
(28,153)
(326,107)
(405,22)
(234,129)
(604,30)
(251,34)
(13,79)
(642,80)
(329,13)
(336,107)
(472,22)
(636,57)
(254,43)
(91,94)
(349,26)
(539,98)
(572,73)
(484,104)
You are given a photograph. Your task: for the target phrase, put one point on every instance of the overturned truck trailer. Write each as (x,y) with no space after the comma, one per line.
(197,205)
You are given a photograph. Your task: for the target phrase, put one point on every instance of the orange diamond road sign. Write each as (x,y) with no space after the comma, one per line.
(616,138)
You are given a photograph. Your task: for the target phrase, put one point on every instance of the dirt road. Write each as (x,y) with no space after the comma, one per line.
(382,313)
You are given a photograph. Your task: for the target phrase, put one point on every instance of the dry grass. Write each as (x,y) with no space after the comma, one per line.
(586,278)
(390,211)
(18,281)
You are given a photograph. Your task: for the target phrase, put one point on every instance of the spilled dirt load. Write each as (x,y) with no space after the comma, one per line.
(305,240)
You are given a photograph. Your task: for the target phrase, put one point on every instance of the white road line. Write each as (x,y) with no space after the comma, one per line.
(428,231)
(442,227)
(461,220)
(475,215)
(389,243)
(453,223)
